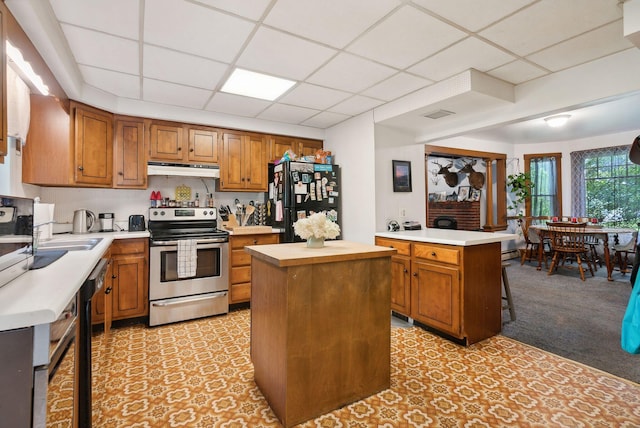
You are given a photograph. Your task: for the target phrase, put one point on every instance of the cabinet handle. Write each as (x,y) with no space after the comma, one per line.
(80,168)
(433,254)
(114,276)
(107,291)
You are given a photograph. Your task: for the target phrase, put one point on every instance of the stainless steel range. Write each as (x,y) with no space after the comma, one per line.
(188,265)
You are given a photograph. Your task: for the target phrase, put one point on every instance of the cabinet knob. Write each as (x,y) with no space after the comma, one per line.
(179,149)
(433,254)
(120,173)
(80,168)
(191,150)
(415,274)
(107,291)
(113,276)
(255,242)
(405,270)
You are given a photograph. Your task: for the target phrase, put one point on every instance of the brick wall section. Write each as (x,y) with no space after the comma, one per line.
(467,213)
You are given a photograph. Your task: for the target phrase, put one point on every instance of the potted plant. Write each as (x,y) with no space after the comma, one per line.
(521,186)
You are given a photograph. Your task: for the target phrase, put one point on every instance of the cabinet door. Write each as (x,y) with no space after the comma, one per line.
(166,141)
(130,160)
(435,296)
(130,298)
(231,177)
(310,147)
(279,145)
(93,147)
(203,145)
(401,285)
(255,163)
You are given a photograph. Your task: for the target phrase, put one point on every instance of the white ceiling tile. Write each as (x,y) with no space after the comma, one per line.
(350,73)
(396,86)
(356,105)
(334,22)
(325,119)
(252,9)
(119,17)
(176,67)
(194,29)
(312,96)
(405,37)
(549,22)
(115,53)
(118,84)
(587,47)
(283,55)
(287,114)
(172,94)
(237,105)
(469,53)
(473,14)
(517,72)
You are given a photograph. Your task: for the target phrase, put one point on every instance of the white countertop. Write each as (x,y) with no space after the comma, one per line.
(39,296)
(462,238)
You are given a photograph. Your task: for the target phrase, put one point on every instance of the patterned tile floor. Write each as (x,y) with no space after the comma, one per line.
(198,374)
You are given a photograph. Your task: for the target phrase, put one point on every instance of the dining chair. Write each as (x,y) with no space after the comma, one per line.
(622,251)
(568,241)
(532,243)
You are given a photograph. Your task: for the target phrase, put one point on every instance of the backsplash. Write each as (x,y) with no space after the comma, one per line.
(124,203)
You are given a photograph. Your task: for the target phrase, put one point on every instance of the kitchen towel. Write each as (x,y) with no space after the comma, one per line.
(187,258)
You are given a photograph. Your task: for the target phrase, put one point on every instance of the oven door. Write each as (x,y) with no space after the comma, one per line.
(211,273)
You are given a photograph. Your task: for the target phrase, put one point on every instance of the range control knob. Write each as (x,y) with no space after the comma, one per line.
(204,212)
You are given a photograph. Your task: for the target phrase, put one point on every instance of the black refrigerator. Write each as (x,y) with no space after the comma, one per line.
(299,189)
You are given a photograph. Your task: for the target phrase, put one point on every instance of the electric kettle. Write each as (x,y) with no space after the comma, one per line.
(83,221)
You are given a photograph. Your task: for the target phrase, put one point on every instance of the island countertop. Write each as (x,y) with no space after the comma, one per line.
(463,238)
(295,254)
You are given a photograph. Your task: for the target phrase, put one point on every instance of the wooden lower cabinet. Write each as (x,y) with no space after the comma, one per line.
(453,289)
(240,264)
(128,284)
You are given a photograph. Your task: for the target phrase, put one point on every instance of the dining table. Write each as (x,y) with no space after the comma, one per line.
(601,232)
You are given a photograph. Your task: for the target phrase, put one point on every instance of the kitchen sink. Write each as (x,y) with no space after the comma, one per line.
(71,245)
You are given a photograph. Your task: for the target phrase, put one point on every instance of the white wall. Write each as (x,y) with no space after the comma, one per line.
(352,143)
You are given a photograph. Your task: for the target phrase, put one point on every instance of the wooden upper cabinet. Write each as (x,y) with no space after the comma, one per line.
(130,162)
(278,145)
(203,145)
(166,141)
(243,163)
(93,144)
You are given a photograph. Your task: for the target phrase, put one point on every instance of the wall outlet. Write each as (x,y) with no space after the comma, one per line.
(402,212)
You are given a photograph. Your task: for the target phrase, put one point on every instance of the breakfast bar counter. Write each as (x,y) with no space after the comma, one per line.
(320,325)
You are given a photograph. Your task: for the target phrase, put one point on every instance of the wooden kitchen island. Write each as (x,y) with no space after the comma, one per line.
(320,325)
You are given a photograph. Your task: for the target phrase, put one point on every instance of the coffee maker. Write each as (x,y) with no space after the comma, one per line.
(106,222)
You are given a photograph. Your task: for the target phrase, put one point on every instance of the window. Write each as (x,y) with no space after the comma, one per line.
(605,186)
(546,194)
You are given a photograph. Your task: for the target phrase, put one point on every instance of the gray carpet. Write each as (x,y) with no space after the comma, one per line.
(568,317)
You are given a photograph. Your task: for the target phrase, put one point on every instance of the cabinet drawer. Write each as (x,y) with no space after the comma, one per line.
(403,247)
(240,258)
(261,239)
(437,254)
(240,274)
(129,246)
(240,292)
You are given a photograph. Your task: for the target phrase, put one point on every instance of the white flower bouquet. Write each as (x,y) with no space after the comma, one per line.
(316,226)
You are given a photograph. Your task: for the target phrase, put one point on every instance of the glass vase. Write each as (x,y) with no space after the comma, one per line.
(313,242)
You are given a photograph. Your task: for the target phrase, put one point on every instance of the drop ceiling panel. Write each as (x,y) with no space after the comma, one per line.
(549,22)
(518,71)
(312,96)
(177,67)
(356,105)
(396,86)
(405,37)
(118,17)
(172,94)
(118,84)
(252,9)
(194,29)
(325,120)
(237,105)
(469,53)
(587,47)
(276,53)
(115,53)
(473,14)
(287,114)
(334,22)
(350,73)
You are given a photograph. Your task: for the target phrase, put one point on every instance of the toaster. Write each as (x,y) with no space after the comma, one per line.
(136,223)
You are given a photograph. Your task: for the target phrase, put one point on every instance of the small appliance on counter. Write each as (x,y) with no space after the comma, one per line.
(106,222)
(136,223)
(411,225)
(83,221)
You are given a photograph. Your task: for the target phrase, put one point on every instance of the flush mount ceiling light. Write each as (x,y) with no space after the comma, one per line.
(25,69)
(256,85)
(557,121)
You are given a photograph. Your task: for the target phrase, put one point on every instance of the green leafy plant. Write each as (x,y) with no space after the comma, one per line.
(520,185)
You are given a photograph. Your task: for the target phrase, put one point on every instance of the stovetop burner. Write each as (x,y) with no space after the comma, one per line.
(184,223)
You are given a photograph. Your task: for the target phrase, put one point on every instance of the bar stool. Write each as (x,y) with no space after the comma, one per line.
(507,292)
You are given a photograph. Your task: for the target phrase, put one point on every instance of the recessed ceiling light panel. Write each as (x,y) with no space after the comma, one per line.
(256,85)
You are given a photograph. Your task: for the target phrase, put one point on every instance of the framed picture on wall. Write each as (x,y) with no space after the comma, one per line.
(463,193)
(475,195)
(401,176)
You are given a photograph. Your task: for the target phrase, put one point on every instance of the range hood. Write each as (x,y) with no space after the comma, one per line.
(183,170)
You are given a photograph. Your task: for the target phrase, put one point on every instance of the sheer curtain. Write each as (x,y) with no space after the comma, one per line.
(544,191)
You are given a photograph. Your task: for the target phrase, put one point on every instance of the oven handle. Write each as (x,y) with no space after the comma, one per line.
(199,241)
(181,302)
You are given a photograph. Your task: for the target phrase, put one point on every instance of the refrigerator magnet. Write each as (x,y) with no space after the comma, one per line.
(300,188)
(313,191)
(298,199)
